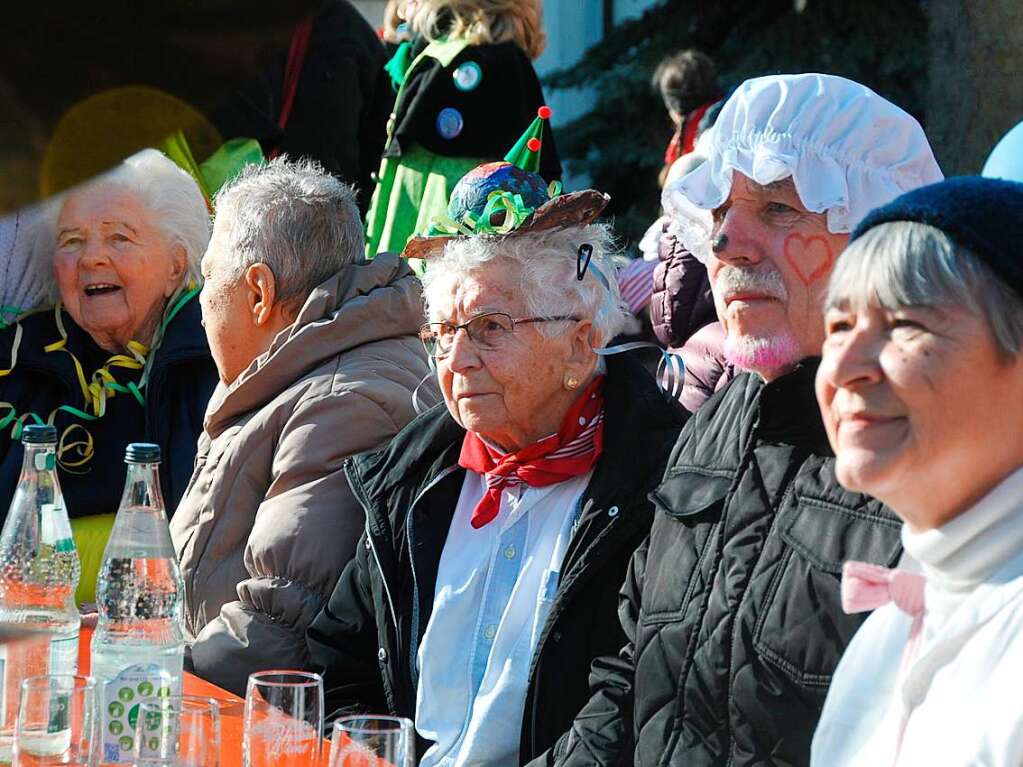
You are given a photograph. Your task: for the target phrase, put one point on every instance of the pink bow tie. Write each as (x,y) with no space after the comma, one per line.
(867,587)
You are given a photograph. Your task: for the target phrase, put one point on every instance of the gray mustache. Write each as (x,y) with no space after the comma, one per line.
(733,279)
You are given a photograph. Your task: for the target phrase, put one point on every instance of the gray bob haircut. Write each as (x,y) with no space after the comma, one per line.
(171,196)
(905,263)
(546,262)
(294,217)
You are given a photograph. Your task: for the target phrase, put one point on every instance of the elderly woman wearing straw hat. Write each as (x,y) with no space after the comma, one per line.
(500,523)
(120,356)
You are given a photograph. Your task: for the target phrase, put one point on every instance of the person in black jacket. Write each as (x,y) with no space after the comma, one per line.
(466,91)
(732,606)
(327,98)
(120,355)
(499,524)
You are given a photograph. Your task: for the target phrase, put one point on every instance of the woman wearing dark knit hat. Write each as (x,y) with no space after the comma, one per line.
(921,388)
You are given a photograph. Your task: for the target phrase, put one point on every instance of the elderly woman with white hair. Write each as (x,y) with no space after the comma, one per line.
(501,522)
(921,388)
(120,355)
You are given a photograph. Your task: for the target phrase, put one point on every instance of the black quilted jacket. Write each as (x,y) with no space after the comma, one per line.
(366,638)
(732,606)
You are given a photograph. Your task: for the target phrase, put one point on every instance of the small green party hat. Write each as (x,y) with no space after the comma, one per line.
(526,152)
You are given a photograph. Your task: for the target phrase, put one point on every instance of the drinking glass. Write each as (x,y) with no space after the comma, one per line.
(372,741)
(179,731)
(283,719)
(58,722)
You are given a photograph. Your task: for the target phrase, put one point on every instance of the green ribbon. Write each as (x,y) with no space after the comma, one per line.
(4,310)
(12,416)
(399,64)
(135,390)
(185,297)
(515,210)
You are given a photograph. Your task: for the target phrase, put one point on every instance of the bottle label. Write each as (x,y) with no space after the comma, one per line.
(45,461)
(122,698)
(64,655)
(49,534)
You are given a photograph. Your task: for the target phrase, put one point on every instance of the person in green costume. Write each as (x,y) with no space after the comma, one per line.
(466,91)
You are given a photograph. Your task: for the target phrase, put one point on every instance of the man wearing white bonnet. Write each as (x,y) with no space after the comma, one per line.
(732,605)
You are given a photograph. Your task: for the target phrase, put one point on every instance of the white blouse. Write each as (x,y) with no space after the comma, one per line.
(959,698)
(495,588)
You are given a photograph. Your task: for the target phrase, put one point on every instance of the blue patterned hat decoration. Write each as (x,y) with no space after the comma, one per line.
(500,199)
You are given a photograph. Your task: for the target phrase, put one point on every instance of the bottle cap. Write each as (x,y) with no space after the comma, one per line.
(142,452)
(39,434)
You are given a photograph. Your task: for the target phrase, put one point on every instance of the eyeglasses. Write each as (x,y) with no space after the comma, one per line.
(487,331)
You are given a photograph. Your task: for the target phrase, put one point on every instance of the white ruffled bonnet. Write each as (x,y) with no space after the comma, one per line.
(847,150)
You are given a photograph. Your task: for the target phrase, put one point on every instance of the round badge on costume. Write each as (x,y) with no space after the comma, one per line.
(450,123)
(467,76)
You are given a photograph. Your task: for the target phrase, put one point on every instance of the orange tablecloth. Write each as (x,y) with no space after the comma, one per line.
(232,708)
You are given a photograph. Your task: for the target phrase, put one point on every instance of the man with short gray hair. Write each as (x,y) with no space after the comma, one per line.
(318,357)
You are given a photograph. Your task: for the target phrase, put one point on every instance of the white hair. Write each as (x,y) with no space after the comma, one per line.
(905,263)
(167,192)
(294,217)
(547,280)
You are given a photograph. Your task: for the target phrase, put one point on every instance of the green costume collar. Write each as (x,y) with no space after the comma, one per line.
(75,449)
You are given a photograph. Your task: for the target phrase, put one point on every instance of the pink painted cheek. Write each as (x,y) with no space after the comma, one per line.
(809,256)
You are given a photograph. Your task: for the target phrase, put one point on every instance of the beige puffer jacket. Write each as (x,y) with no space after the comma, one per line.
(268,520)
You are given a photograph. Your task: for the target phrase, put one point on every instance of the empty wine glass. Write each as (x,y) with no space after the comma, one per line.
(372,741)
(179,731)
(58,722)
(283,719)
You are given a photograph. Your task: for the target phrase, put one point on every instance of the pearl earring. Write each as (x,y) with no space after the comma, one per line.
(571,382)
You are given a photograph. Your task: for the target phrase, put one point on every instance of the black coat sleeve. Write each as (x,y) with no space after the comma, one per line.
(494,114)
(343,643)
(341,103)
(602,733)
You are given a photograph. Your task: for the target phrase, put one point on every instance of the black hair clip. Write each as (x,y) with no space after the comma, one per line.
(582,262)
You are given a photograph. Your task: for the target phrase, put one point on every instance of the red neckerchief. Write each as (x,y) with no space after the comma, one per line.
(569,453)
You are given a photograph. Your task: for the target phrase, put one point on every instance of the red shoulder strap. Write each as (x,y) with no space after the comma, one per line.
(293,71)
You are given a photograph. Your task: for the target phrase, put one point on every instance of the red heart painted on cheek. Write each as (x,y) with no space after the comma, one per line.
(810,257)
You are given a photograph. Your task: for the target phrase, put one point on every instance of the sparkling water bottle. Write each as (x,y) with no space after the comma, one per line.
(39,571)
(138,646)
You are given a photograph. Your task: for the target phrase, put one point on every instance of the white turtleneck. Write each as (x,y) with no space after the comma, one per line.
(959,695)
(972,547)
(977,547)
